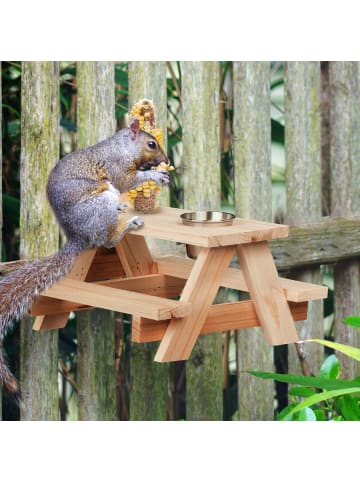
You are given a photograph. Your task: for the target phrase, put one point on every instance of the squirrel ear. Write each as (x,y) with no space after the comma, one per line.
(134,127)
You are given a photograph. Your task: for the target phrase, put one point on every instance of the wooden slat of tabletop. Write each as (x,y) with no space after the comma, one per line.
(167,224)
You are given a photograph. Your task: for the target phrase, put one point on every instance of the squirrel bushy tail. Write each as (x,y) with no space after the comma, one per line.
(18,290)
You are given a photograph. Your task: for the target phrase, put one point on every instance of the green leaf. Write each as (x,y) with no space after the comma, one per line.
(277,83)
(350,351)
(320,397)
(349,408)
(11,109)
(306,414)
(353,321)
(284,414)
(277,132)
(330,367)
(320,415)
(316,382)
(301,391)
(121,75)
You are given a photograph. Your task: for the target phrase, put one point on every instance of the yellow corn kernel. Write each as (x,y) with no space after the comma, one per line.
(139,188)
(157,133)
(152,183)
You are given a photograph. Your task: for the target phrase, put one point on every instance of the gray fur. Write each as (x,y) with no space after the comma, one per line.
(83,190)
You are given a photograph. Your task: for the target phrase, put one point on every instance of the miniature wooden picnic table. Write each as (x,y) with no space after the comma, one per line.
(128,279)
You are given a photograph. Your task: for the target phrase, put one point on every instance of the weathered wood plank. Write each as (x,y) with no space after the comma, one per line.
(344,81)
(95,329)
(1,216)
(303,185)
(328,241)
(252,165)
(200,85)
(40,115)
(148,397)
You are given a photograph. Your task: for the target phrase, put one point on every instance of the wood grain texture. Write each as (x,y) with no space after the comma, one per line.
(303,185)
(39,234)
(328,241)
(148,398)
(221,317)
(200,290)
(95,329)
(200,87)
(155,285)
(233,278)
(78,271)
(135,256)
(1,215)
(252,177)
(115,299)
(344,84)
(266,293)
(167,224)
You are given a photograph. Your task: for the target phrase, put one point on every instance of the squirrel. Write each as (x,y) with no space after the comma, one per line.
(83,190)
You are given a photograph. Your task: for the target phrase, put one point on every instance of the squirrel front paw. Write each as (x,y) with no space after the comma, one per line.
(160,177)
(122,207)
(135,222)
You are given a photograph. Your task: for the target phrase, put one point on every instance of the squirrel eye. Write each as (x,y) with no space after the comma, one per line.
(152,144)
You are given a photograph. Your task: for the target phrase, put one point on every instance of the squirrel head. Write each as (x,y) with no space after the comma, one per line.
(148,151)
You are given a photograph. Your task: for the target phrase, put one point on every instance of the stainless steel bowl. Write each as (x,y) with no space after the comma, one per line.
(207,218)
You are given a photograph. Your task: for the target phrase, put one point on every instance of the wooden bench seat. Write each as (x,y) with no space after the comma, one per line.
(296,291)
(137,304)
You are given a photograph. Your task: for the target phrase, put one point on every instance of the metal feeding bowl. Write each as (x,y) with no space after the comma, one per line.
(205,218)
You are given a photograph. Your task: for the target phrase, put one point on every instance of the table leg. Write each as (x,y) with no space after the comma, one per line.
(200,289)
(268,296)
(135,256)
(136,260)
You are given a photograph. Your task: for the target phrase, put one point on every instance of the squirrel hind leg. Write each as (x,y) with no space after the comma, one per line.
(117,232)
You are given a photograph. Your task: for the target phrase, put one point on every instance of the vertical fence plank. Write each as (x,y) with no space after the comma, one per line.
(148,398)
(345,199)
(303,186)
(96,335)
(201,162)
(1,215)
(252,165)
(325,138)
(38,229)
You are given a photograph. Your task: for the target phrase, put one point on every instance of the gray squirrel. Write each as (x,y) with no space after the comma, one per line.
(84,192)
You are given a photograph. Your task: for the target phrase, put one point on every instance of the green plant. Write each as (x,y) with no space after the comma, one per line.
(326,396)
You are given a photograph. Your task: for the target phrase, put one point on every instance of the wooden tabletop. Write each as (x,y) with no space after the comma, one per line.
(166,224)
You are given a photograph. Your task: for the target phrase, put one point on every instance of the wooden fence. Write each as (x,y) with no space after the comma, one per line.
(322,149)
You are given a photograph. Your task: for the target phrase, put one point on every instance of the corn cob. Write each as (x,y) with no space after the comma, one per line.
(143,197)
